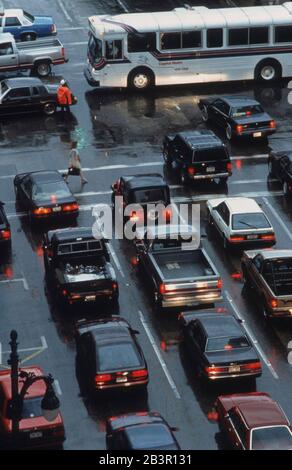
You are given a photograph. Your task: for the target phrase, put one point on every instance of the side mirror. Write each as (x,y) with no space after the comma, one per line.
(135,332)
(174,428)
(115,186)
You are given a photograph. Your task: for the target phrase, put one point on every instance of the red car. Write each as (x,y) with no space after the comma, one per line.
(253,421)
(35,430)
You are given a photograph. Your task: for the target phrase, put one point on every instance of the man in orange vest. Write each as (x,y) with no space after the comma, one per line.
(64,96)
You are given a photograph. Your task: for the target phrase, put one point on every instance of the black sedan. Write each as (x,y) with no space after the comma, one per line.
(140,431)
(5,233)
(238,116)
(27,95)
(109,355)
(280,167)
(219,346)
(45,196)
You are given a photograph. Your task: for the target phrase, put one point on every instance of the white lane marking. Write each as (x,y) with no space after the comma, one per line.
(44,342)
(276,215)
(62,6)
(21,279)
(116,259)
(41,348)
(250,157)
(57,387)
(123,6)
(252,181)
(250,334)
(159,356)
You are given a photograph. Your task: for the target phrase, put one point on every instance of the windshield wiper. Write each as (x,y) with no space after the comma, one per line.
(247,224)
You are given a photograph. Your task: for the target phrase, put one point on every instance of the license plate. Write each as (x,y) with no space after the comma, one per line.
(210,169)
(56,209)
(233,369)
(120,380)
(90,298)
(257,134)
(252,237)
(35,435)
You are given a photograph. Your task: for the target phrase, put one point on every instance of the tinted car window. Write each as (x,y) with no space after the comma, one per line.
(225,344)
(210,155)
(117,356)
(19,93)
(150,436)
(6,49)
(278,438)
(246,221)
(224,212)
(12,21)
(49,190)
(114,49)
(150,195)
(246,111)
(3,88)
(28,16)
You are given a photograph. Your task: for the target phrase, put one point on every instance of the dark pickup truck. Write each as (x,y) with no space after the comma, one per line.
(280,167)
(269,274)
(197,155)
(179,274)
(78,268)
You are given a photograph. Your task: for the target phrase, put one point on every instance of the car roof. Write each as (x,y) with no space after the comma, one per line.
(270,253)
(22,82)
(242,205)
(143,181)
(13,11)
(238,100)
(71,234)
(45,176)
(35,390)
(216,325)
(105,328)
(134,419)
(197,140)
(259,410)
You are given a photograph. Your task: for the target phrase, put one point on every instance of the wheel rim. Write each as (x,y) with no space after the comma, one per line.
(204,114)
(28,37)
(49,108)
(268,72)
(141,81)
(228,132)
(44,69)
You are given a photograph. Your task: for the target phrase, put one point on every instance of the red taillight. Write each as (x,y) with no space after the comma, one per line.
(268,237)
(63,51)
(272,124)
(114,286)
(248,113)
(229,166)
(65,292)
(252,366)
(5,234)
(42,211)
(236,239)
(101,378)
(239,129)
(219,284)
(141,373)
(212,370)
(70,207)
(168,214)
(162,289)
(273,303)
(228,347)
(191,171)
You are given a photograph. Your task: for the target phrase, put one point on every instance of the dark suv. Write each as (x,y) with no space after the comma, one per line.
(197,155)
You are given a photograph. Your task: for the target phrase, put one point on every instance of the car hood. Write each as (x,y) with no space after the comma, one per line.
(43,20)
(264,117)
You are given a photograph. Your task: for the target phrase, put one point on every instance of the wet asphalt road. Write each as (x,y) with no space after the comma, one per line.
(120,133)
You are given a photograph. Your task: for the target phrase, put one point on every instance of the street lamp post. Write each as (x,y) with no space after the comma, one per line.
(50,403)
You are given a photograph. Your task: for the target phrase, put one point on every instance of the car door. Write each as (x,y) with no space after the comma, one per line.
(222,215)
(8,58)
(220,110)
(36,96)
(26,192)
(195,341)
(283,168)
(18,100)
(236,429)
(13,25)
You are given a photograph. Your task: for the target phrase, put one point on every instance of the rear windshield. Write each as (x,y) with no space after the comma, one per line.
(210,155)
(249,221)
(50,191)
(28,16)
(111,357)
(247,111)
(150,436)
(278,438)
(150,195)
(66,248)
(32,408)
(227,343)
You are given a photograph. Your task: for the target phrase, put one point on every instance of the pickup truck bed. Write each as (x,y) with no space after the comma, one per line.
(26,46)
(185,264)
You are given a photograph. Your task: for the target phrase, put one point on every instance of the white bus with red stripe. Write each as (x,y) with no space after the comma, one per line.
(190,45)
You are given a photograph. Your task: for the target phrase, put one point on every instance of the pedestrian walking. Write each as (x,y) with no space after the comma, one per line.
(64,96)
(75,168)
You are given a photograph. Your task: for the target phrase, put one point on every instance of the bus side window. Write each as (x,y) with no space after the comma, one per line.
(215,37)
(238,37)
(114,49)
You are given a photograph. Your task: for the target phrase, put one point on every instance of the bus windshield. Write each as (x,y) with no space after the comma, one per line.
(94,49)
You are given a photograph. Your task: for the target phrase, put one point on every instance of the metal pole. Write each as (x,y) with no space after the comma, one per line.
(14,360)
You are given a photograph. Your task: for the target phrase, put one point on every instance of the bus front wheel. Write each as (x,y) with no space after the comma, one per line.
(268,71)
(141,79)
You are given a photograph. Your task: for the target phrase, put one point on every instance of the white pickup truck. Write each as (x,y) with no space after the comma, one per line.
(38,55)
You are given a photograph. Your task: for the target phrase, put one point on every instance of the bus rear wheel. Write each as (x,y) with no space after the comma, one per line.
(268,71)
(141,79)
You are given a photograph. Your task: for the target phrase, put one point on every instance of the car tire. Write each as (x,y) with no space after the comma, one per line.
(43,69)
(228,132)
(204,113)
(49,109)
(141,79)
(28,37)
(268,71)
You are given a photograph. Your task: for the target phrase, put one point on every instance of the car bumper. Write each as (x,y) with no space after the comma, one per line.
(209,176)
(281,312)
(248,244)
(58,216)
(90,298)
(250,133)
(123,385)
(225,376)
(90,80)
(190,301)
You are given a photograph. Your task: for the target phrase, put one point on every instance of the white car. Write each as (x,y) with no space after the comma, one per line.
(240,221)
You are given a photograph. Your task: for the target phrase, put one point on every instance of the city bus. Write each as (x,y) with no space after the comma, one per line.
(190,45)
